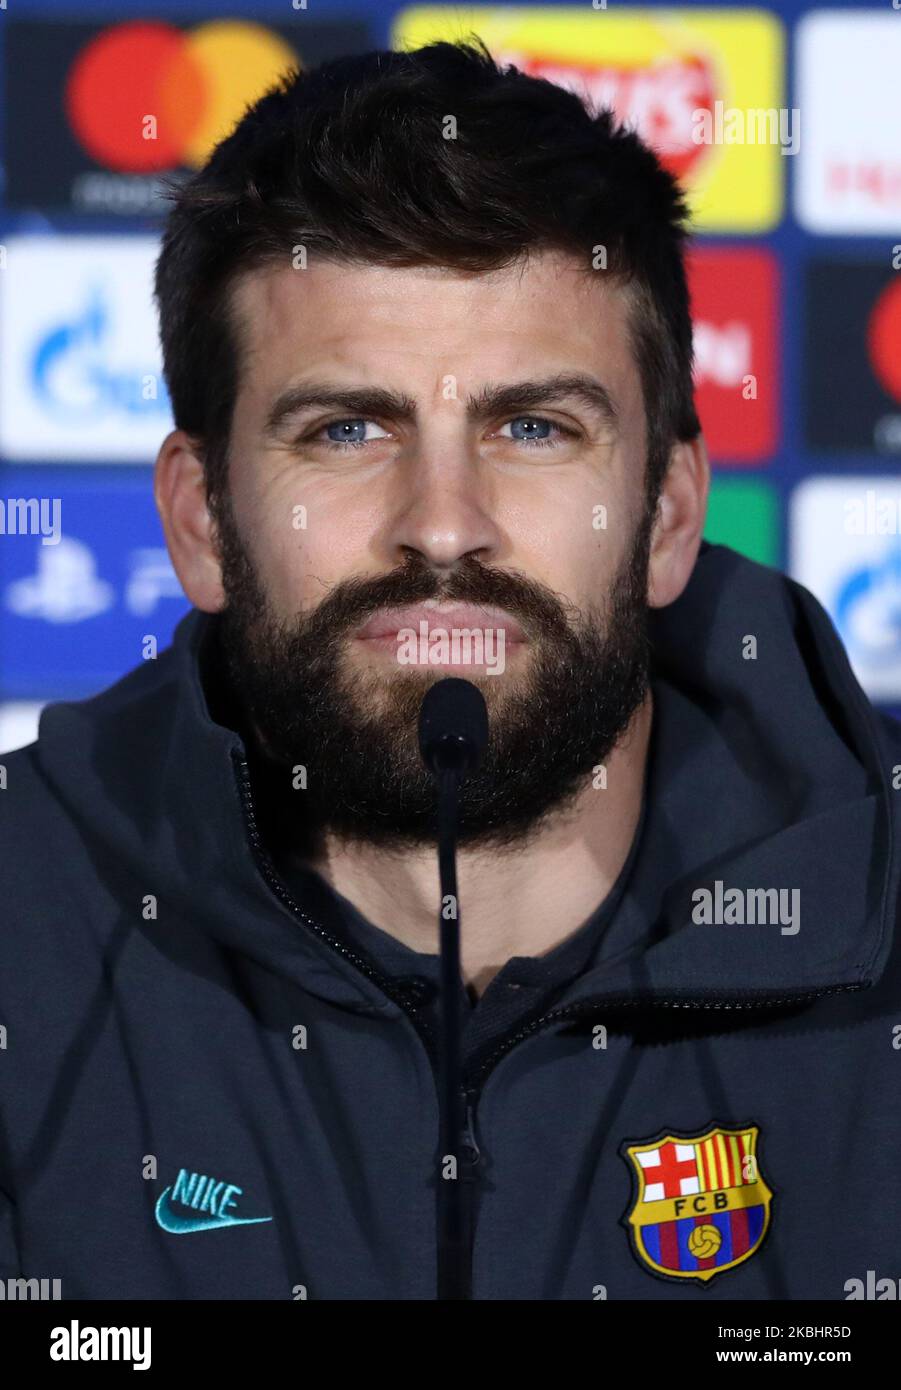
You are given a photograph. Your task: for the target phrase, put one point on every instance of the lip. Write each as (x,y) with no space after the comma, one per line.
(386,624)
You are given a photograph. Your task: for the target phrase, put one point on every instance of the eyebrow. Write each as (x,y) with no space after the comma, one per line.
(490,401)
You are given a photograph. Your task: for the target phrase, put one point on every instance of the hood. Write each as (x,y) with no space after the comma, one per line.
(784,782)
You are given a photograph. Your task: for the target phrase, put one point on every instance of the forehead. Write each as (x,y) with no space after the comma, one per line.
(422,323)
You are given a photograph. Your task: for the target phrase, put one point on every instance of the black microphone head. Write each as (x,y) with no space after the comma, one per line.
(453,726)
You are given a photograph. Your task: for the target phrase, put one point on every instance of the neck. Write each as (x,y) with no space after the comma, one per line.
(516,901)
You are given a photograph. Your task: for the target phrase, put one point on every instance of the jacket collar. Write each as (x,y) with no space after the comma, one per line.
(149,772)
(770,771)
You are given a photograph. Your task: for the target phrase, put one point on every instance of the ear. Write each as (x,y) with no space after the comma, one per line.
(180,492)
(679,525)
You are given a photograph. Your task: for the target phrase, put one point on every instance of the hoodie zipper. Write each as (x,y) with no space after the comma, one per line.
(467,1174)
(480,1071)
(267,868)
(476,1075)
(468,1150)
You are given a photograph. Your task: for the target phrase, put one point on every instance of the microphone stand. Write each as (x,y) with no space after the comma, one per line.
(453,737)
(453,1262)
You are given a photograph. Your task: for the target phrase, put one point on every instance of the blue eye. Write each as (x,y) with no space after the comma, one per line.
(540,439)
(350,433)
(534,431)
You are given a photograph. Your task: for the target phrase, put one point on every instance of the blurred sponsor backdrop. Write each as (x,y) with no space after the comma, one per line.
(783,122)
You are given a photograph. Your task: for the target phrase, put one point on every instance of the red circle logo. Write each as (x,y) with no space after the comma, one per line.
(884,338)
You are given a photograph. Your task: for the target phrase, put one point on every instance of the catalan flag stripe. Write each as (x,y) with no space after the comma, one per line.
(736,1160)
(702,1168)
(712,1163)
(723,1156)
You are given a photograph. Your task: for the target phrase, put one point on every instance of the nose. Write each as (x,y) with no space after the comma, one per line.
(444,507)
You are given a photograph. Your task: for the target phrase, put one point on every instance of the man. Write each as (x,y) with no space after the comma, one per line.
(434,379)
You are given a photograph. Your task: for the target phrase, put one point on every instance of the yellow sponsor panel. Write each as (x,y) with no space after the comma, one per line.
(658,69)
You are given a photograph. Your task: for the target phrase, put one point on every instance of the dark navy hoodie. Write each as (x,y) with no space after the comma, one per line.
(218,1081)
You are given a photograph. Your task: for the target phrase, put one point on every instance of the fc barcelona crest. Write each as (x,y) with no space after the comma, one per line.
(699,1205)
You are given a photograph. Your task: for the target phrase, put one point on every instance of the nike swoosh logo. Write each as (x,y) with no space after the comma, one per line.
(178,1225)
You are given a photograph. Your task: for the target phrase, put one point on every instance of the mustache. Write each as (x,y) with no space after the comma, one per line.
(539,611)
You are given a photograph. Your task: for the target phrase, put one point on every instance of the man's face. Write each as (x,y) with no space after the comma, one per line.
(423,505)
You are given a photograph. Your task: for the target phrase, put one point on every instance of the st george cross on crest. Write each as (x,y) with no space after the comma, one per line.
(699,1204)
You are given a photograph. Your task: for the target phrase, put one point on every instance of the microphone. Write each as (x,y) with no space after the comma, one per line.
(453,736)
(453,726)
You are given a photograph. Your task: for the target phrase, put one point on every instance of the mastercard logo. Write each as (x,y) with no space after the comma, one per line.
(884,338)
(146,96)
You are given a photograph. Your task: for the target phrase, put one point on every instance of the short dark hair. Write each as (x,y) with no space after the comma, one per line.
(349,161)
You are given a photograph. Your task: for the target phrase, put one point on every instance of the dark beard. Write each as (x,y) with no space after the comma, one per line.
(355,731)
